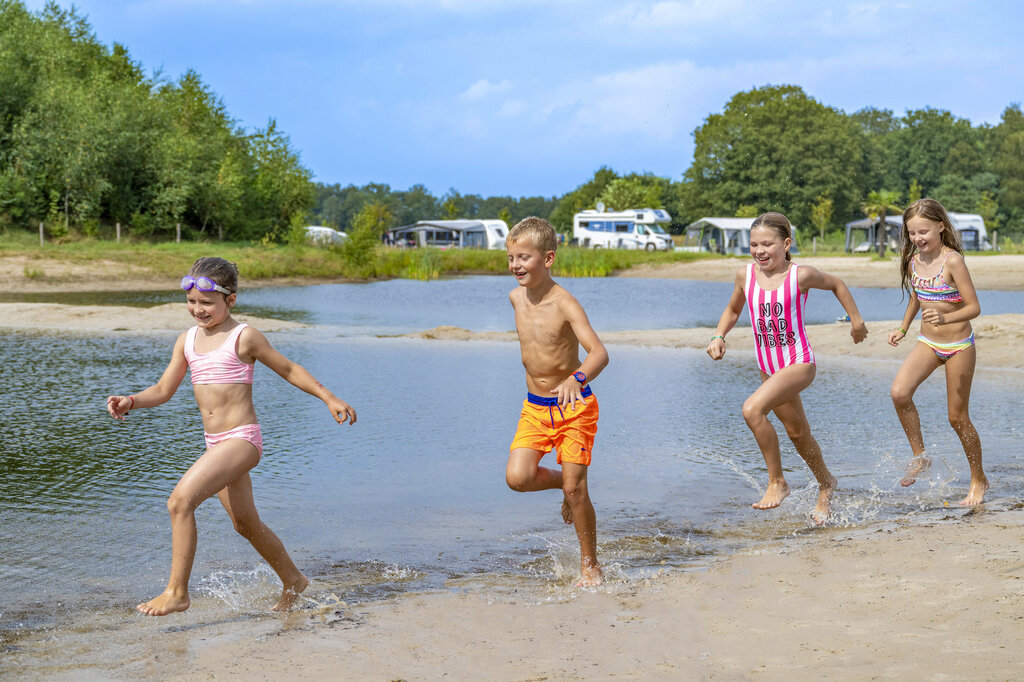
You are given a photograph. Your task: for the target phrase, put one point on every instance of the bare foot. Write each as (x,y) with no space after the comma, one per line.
(591,575)
(566,511)
(824,506)
(918,465)
(773,496)
(166,602)
(290,593)
(976,494)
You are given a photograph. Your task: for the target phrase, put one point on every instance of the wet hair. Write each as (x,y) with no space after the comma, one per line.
(777,222)
(223,272)
(537,230)
(928,209)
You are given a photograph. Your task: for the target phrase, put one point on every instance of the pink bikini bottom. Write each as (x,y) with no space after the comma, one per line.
(249,432)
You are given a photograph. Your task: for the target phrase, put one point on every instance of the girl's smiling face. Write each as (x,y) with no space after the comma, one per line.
(209,308)
(768,248)
(925,234)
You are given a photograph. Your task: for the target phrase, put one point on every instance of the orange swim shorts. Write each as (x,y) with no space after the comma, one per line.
(544,425)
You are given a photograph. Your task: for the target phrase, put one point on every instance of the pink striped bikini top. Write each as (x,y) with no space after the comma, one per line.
(219,366)
(777,317)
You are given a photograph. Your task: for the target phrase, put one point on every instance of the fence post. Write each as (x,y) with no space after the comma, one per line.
(118,232)
(220,233)
(177,233)
(995,240)
(814,246)
(42,237)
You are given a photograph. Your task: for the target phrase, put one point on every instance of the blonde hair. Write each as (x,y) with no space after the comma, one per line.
(777,222)
(537,230)
(223,272)
(929,209)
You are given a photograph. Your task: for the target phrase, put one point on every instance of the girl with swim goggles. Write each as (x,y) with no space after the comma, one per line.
(220,353)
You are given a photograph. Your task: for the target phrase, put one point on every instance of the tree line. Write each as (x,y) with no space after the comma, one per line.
(775,148)
(88,140)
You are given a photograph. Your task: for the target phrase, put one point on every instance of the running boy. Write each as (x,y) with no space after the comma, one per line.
(560,411)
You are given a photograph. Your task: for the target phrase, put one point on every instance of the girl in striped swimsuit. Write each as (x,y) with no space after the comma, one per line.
(775,291)
(934,273)
(221,353)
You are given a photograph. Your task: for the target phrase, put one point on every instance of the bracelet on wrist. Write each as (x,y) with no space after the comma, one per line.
(132,405)
(716,336)
(903,331)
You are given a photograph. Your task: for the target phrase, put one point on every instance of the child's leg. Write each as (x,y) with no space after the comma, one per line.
(918,366)
(777,389)
(524,473)
(219,466)
(959,377)
(238,501)
(798,429)
(577,496)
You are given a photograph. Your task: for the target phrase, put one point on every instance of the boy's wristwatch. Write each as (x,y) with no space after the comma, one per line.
(580,377)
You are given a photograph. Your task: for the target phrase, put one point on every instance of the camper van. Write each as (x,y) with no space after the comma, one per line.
(466,234)
(636,229)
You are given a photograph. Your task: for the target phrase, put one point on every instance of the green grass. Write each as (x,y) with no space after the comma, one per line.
(257,262)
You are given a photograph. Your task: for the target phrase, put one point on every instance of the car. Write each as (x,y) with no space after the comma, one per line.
(324,236)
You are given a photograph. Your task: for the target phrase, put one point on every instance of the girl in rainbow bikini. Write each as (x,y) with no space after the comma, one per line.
(221,354)
(933,271)
(775,290)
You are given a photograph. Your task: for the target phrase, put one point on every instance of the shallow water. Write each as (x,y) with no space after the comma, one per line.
(413,497)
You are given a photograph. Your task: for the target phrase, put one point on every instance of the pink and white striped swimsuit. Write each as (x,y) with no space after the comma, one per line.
(221,365)
(777,318)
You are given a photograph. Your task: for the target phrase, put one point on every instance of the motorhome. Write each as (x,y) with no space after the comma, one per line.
(466,234)
(635,229)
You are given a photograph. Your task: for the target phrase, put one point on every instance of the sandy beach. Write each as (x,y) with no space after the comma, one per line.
(936,600)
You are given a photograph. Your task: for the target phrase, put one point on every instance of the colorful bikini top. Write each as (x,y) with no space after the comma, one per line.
(219,366)
(933,288)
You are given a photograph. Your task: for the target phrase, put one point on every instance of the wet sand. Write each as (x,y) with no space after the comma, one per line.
(936,601)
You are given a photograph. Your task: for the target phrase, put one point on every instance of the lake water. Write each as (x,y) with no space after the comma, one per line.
(413,496)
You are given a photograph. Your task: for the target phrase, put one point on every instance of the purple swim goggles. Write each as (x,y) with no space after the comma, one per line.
(202,284)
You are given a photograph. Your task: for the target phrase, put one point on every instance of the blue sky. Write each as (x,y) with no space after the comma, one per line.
(527,97)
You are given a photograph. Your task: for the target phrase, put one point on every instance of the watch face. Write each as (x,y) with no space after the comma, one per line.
(580,376)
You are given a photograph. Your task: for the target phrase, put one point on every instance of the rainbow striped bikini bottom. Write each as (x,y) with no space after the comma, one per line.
(947,350)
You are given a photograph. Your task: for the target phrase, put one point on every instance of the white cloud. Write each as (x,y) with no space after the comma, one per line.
(484,88)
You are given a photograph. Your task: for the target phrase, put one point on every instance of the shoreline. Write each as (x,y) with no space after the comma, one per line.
(39,276)
(914,602)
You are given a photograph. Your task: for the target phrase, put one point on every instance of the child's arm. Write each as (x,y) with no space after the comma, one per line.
(813,278)
(254,344)
(962,280)
(571,390)
(716,349)
(897,335)
(159,393)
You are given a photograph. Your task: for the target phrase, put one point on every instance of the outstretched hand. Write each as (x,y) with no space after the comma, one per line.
(119,406)
(341,411)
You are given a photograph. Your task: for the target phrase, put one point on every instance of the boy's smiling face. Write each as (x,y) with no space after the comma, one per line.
(525,261)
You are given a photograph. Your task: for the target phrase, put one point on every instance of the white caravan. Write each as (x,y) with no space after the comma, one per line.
(466,234)
(635,229)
